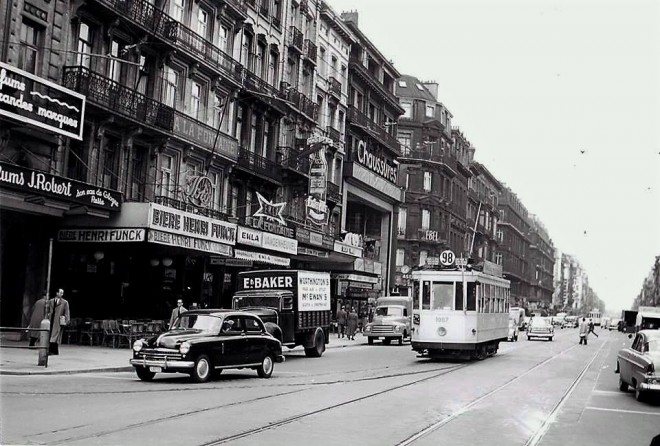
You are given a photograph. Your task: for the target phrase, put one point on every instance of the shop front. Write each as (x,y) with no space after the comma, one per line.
(142,261)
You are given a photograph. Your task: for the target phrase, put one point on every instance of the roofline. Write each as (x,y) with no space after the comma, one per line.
(364,39)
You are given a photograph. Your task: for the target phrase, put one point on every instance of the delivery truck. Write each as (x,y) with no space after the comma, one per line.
(628,318)
(648,318)
(293,304)
(392,320)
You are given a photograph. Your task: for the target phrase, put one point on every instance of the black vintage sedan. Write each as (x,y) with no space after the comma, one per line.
(204,342)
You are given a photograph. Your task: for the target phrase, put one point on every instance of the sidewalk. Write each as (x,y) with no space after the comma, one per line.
(85,359)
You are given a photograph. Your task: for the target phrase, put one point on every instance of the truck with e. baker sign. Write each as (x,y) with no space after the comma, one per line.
(293,304)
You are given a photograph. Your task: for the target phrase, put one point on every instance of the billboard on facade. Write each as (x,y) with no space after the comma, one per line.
(44,104)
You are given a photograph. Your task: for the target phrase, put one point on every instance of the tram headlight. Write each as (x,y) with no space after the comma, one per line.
(442,331)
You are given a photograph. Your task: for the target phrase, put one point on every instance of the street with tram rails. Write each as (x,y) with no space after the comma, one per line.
(529,393)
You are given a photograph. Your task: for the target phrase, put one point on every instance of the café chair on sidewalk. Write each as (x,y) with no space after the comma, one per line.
(92,331)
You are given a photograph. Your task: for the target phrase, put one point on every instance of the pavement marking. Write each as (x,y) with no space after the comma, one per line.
(607,392)
(634,412)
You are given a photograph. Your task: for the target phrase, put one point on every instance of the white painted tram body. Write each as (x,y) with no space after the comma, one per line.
(459,313)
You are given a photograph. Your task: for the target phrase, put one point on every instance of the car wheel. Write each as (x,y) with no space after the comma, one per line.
(515,338)
(201,372)
(387,341)
(319,346)
(266,367)
(529,338)
(639,394)
(623,386)
(370,340)
(144,374)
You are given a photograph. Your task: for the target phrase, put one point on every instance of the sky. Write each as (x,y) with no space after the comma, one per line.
(561,99)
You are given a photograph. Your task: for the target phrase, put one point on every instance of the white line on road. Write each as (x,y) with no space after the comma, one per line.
(607,392)
(635,412)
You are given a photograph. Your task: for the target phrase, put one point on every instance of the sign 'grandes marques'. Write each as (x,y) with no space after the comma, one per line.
(376,163)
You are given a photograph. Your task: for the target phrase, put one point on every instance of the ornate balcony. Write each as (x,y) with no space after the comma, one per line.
(310,51)
(143,14)
(359,119)
(239,7)
(296,39)
(334,192)
(293,162)
(333,134)
(428,154)
(108,94)
(255,164)
(364,73)
(334,87)
(299,101)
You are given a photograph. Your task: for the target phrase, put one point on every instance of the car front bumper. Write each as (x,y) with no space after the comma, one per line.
(652,387)
(540,335)
(163,364)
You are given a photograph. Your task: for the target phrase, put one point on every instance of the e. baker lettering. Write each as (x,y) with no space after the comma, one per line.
(256,283)
(378,164)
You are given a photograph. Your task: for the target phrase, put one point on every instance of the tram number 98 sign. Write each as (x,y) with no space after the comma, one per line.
(447,258)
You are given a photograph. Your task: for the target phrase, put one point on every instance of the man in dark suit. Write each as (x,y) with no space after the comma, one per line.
(177,312)
(59,319)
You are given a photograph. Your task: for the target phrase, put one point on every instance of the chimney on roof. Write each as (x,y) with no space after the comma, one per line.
(350,16)
(432,86)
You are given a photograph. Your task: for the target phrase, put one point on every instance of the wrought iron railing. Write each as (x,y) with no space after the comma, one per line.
(310,51)
(143,14)
(238,5)
(291,160)
(333,133)
(299,100)
(255,83)
(362,120)
(335,86)
(103,91)
(296,39)
(254,163)
(430,154)
(387,93)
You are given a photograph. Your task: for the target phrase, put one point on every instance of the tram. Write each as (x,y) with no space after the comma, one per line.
(595,316)
(459,311)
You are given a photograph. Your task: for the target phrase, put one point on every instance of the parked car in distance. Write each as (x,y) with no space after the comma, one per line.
(637,365)
(540,327)
(614,324)
(202,343)
(570,322)
(513,331)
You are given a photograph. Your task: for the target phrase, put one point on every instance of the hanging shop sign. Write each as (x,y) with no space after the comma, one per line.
(261,257)
(266,240)
(231,262)
(47,185)
(102,235)
(317,211)
(318,175)
(314,238)
(377,163)
(269,210)
(275,228)
(347,249)
(355,277)
(31,99)
(198,190)
(205,136)
(179,222)
(303,251)
(184,241)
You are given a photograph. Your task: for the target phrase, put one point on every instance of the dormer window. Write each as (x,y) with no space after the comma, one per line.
(420,87)
(403,84)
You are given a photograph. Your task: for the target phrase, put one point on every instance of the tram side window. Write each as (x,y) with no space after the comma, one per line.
(443,295)
(472,297)
(458,298)
(426,295)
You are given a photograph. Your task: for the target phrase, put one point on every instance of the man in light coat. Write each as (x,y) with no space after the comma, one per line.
(584,331)
(59,319)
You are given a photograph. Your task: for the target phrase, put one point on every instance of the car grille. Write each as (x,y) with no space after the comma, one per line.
(382,329)
(159,354)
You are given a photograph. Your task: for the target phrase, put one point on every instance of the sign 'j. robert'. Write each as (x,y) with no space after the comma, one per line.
(31,99)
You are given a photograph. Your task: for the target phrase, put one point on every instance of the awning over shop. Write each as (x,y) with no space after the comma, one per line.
(261,257)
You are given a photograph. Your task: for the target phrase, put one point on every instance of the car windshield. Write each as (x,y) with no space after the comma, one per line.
(205,323)
(538,322)
(389,311)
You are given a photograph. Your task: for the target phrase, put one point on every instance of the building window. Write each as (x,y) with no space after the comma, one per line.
(202,23)
(500,236)
(216,201)
(498,258)
(403,84)
(428,178)
(407,107)
(426,219)
(114,67)
(407,180)
(171,86)
(420,87)
(423,255)
(167,176)
(272,68)
(430,111)
(403,217)
(110,165)
(84,45)
(30,43)
(195,100)
(253,133)
(400,257)
(178,10)
(138,174)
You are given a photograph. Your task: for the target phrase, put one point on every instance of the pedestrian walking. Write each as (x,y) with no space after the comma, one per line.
(59,318)
(591,327)
(584,331)
(365,321)
(40,311)
(352,322)
(177,312)
(341,321)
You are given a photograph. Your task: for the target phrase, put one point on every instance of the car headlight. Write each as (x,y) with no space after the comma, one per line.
(184,348)
(397,328)
(367,328)
(137,345)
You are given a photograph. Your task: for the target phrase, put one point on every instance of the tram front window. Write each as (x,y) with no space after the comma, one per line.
(443,295)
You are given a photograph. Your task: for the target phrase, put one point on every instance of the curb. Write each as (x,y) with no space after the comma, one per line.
(67,372)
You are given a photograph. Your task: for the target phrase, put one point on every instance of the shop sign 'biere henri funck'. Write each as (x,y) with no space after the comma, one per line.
(33,100)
